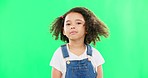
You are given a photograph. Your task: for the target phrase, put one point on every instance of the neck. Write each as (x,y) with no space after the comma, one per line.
(76,43)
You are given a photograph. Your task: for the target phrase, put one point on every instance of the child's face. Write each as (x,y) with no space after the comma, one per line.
(74,27)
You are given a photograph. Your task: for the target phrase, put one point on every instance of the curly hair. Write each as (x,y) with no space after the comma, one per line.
(94,27)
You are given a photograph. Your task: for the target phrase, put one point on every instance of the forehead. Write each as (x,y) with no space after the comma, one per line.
(74,16)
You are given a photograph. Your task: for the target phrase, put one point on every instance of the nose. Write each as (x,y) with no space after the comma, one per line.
(72,27)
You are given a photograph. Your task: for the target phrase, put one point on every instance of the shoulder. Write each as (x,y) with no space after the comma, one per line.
(58,52)
(57,60)
(95,51)
(97,57)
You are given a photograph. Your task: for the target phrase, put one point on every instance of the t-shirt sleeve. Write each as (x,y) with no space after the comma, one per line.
(99,60)
(55,61)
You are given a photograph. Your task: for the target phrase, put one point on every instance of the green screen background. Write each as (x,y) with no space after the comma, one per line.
(26,46)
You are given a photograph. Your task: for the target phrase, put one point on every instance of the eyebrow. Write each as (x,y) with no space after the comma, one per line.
(75,20)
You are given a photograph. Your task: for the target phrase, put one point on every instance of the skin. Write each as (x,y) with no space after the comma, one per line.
(74,29)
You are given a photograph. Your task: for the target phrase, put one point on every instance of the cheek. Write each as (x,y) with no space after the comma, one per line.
(82,28)
(65,30)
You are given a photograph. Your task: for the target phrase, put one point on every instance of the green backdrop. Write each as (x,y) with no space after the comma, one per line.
(26,46)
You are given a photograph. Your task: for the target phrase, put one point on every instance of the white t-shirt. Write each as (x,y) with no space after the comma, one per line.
(59,62)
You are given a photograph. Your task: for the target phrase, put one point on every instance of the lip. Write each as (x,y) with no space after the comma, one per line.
(73,32)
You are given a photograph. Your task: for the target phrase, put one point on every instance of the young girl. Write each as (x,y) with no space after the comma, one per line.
(77,59)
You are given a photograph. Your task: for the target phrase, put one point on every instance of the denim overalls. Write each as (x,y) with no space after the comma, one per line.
(79,68)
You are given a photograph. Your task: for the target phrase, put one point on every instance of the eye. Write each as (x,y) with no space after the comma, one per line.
(79,23)
(67,24)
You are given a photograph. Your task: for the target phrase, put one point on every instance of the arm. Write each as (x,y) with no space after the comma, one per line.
(99,71)
(56,73)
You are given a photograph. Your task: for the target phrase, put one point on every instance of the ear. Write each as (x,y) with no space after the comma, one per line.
(85,32)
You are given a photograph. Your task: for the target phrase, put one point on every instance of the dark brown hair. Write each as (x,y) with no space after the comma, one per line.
(94,27)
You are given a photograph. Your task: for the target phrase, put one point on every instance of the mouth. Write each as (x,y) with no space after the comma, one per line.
(73,32)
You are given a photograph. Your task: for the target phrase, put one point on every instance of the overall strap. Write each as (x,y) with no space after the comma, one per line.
(64,51)
(89,50)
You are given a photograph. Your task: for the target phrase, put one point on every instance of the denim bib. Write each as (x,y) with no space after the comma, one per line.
(79,68)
